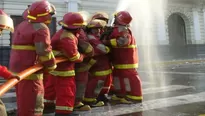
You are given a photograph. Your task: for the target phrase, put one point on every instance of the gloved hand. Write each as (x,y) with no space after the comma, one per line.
(17,77)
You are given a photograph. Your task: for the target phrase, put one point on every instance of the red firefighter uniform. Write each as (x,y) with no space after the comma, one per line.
(82,69)
(65,43)
(101,70)
(30,45)
(108,83)
(125,61)
(6,23)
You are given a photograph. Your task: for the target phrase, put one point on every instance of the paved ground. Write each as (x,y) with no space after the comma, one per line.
(176,89)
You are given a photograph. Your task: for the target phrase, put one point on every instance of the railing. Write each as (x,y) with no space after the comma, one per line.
(13,81)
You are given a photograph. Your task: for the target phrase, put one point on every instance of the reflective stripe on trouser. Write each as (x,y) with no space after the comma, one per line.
(94,86)
(50,93)
(30,98)
(127,82)
(81,79)
(65,94)
(107,85)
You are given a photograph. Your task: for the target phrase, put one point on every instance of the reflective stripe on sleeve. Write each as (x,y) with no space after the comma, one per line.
(76,57)
(113,42)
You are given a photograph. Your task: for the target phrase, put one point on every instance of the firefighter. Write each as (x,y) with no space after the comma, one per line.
(101,70)
(101,16)
(6,23)
(108,84)
(31,45)
(6,75)
(82,69)
(127,82)
(65,43)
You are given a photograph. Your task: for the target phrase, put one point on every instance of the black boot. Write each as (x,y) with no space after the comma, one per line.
(103,98)
(49,109)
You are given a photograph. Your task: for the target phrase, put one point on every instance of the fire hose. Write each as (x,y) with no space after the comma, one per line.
(13,81)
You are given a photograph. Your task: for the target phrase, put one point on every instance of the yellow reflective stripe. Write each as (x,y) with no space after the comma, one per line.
(63,24)
(43,14)
(64,108)
(31,17)
(23,47)
(89,49)
(34,77)
(106,88)
(107,49)
(90,99)
(47,57)
(113,42)
(102,73)
(63,73)
(76,57)
(79,24)
(129,46)
(92,61)
(134,97)
(126,66)
(57,53)
(49,101)
(75,24)
(52,67)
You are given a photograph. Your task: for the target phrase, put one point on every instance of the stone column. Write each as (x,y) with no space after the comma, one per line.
(161,30)
(72,5)
(197,34)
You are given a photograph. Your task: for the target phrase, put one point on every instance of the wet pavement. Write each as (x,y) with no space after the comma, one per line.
(171,90)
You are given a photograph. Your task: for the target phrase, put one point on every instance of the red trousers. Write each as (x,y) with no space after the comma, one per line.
(81,79)
(61,89)
(107,85)
(30,98)
(127,82)
(50,93)
(95,86)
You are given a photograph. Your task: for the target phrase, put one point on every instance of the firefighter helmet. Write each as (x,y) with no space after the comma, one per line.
(72,20)
(96,23)
(101,15)
(6,23)
(123,18)
(41,11)
(25,14)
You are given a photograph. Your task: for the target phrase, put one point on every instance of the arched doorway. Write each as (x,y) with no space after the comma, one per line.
(177,36)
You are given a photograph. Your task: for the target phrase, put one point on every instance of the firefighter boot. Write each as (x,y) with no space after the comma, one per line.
(81,107)
(119,100)
(93,102)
